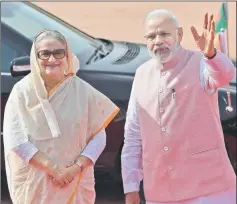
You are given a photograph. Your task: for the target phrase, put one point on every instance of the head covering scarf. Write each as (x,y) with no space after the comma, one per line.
(38,83)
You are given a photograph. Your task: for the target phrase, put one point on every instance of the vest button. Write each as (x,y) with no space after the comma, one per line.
(166,149)
(170,168)
(163,129)
(163,73)
(160,90)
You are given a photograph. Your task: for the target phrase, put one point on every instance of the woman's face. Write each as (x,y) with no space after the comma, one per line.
(52,57)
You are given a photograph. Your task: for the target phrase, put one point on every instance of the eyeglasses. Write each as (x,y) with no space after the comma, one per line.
(45,54)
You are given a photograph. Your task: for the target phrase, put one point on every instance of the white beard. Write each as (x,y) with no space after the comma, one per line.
(166,57)
(163,58)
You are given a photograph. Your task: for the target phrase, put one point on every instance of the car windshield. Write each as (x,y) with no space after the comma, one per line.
(29,20)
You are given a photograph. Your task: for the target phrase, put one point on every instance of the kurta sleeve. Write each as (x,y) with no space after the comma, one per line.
(26,151)
(13,132)
(131,158)
(216,72)
(95,147)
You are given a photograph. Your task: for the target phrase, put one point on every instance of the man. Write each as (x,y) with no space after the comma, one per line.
(173,135)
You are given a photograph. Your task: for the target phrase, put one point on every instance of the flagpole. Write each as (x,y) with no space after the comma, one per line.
(229,108)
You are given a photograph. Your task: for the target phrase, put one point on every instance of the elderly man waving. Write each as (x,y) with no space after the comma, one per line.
(173,135)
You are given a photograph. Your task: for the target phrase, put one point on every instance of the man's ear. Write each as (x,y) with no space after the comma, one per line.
(180,34)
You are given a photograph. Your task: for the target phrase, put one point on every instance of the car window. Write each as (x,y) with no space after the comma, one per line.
(19,16)
(12,46)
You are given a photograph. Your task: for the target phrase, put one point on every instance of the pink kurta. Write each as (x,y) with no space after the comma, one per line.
(181,141)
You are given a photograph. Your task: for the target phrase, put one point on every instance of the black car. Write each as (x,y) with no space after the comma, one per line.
(107,65)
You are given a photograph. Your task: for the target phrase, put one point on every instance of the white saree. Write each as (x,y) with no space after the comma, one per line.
(59,125)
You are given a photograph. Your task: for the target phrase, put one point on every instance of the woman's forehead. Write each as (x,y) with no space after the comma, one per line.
(50,44)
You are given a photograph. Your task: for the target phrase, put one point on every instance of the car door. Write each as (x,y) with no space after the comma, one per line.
(12,45)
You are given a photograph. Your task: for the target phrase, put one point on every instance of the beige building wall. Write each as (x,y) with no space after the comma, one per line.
(123,20)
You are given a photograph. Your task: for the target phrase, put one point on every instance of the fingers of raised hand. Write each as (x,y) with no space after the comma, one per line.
(195,33)
(205,23)
(209,23)
(209,27)
(213,29)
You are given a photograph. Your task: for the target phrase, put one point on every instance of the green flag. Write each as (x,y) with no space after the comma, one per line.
(221,40)
(221,29)
(221,23)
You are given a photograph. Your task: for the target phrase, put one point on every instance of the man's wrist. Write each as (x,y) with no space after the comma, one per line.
(131,187)
(132,196)
(213,55)
(130,193)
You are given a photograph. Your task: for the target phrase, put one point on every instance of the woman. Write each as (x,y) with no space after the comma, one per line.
(54,128)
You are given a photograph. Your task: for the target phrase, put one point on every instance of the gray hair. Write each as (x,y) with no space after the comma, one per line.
(164,13)
(50,34)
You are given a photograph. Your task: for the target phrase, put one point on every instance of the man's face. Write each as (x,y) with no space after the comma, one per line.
(163,37)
